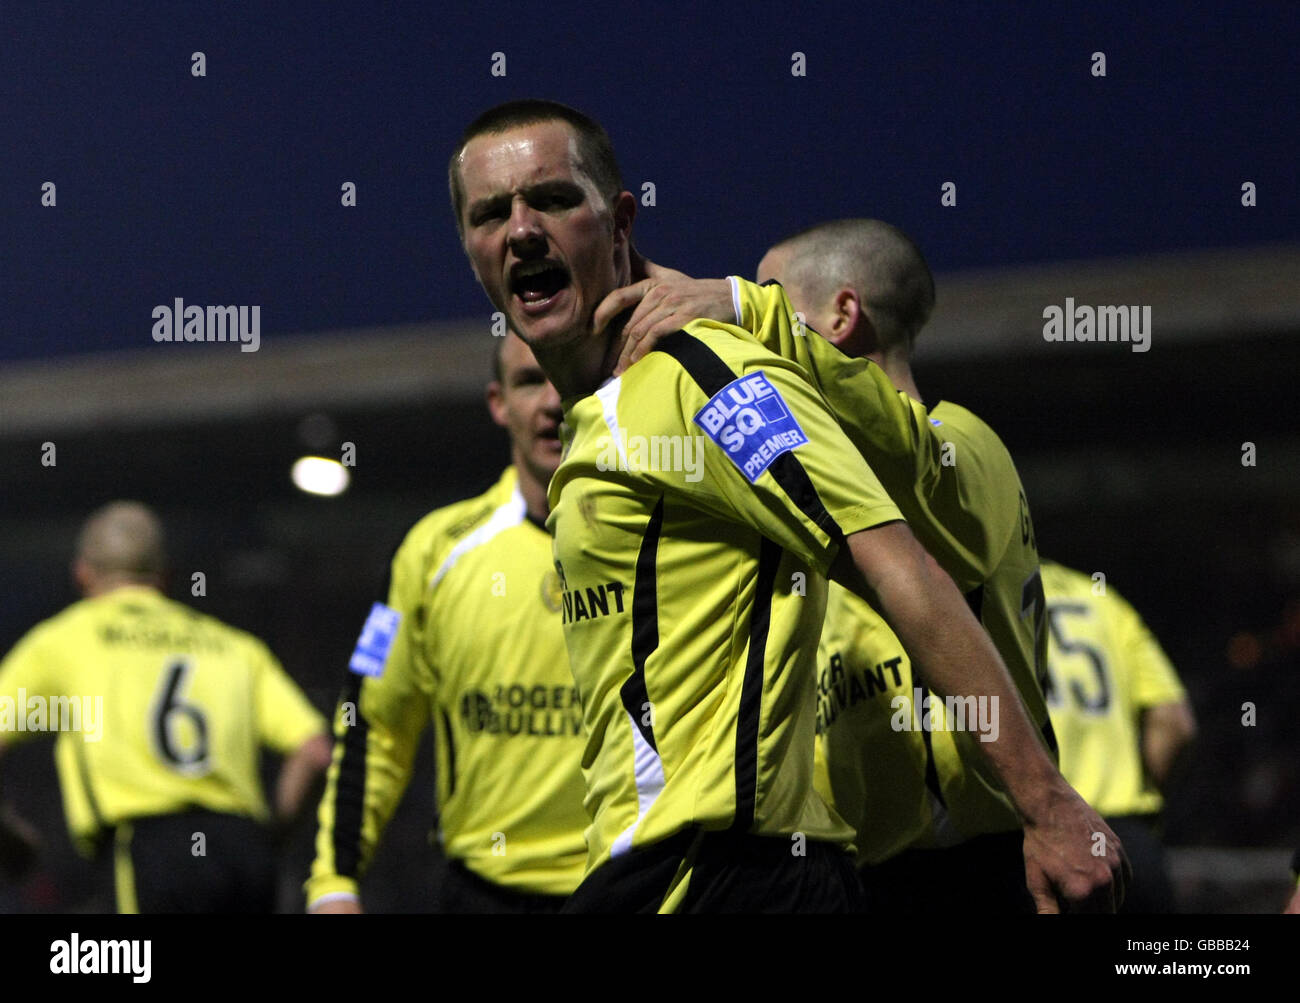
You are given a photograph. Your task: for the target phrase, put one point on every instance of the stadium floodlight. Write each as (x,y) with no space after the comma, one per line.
(319,475)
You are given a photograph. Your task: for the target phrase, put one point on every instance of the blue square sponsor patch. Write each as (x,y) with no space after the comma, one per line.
(376,638)
(751,422)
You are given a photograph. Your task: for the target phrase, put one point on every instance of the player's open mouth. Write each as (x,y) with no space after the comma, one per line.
(537,283)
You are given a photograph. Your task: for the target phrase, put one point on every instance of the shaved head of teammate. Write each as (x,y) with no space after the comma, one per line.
(122,542)
(861,283)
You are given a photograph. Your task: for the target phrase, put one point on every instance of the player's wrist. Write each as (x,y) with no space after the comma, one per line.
(320,886)
(330,901)
(1042,796)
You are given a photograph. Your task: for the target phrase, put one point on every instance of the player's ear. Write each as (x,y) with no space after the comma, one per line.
(496,403)
(850,329)
(83,576)
(624,211)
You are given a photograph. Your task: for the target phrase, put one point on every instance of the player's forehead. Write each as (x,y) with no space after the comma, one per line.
(516,355)
(500,163)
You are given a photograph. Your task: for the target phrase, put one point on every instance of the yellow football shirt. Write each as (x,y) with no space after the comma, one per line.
(702,498)
(157,708)
(1106,668)
(470,640)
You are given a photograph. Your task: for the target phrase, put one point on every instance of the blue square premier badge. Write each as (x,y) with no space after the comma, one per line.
(751,422)
(376,639)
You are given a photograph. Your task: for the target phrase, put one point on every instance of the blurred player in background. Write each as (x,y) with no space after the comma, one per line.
(160,713)
(693,652)
(934,830)
(470,641)
(1122,717)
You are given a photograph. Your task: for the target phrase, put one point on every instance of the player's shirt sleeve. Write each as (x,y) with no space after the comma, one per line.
(377,730)
(28,670)
(774,457)
(285,717)
(883,423)
(1152,676)
(890,429)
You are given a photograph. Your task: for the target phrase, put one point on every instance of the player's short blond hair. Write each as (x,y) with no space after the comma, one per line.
(125,538)
(879,261)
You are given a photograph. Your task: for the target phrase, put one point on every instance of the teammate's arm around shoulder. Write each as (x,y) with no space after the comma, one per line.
(1072,858)
(662,302)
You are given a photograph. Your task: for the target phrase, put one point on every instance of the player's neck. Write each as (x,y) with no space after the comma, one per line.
(575,369)
(533,490)
(899,370)
(112,583)
(578,367)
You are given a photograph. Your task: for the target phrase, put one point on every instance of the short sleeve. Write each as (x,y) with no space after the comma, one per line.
(1154,679)
(772,456)
(285,717)
(29,668)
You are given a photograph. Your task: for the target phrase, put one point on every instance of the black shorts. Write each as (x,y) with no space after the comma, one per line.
(983,875)
(723,872)
(158,866)
(463,891)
